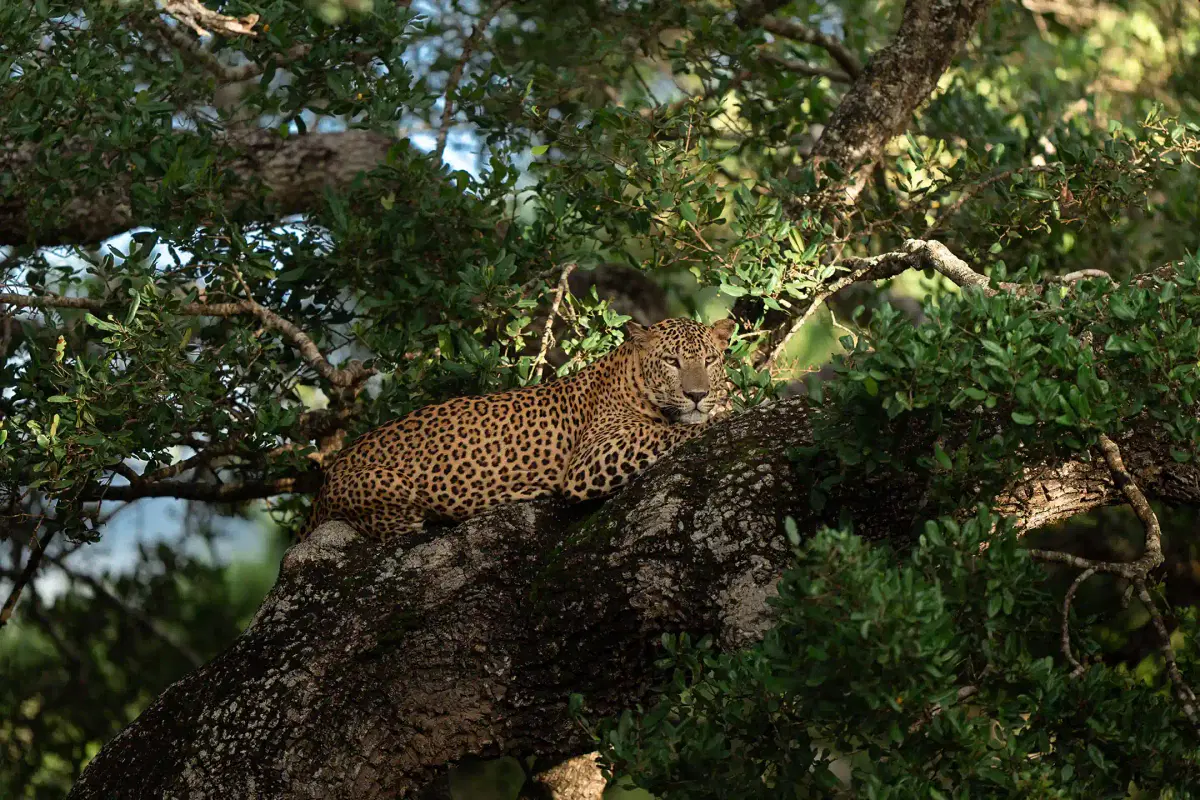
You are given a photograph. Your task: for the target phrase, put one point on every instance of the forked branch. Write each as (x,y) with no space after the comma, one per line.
(1135,572)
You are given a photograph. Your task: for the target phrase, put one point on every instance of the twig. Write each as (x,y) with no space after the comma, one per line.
(350,375)
(548,331)
(1183,692)
(970,191)
(456,75)
(964,693)
(804,68)
(813,307)
(35,558)
(1077,667)
(830,44)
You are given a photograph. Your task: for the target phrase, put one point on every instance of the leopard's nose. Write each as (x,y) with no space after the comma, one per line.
(697,395)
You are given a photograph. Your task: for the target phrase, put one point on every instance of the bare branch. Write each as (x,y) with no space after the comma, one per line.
(798,32)
(1080,579)
(804,68)
(299,483)
(1183,692)
(548,331)
(350,375)
(35,557)
(196,16)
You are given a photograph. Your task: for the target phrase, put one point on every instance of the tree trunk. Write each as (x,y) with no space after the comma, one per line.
(368,671)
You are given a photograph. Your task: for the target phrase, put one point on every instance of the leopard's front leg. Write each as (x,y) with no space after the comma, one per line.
(616,450)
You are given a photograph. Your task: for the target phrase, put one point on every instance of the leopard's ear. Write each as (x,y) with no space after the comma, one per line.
(638,334)
(721,331)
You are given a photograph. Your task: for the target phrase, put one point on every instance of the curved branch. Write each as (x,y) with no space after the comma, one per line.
(797,32)
(350,375)
(300,482)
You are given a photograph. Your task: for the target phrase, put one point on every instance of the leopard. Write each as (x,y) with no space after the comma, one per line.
(579,437)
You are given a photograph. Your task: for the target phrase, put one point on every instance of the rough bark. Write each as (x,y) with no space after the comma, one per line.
(368,671)
(898,78)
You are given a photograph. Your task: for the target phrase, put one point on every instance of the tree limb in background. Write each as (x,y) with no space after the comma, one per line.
(294,171)
(200,19)
(36,552)
(803,33)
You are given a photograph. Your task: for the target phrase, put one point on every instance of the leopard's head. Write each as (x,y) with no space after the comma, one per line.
(683,365)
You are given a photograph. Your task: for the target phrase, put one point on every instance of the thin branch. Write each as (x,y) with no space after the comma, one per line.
(350,375)
(456,75)
(1183,692)
(1080,579)
(918,254)
(196,16)
(970,191)
(819,300)
(35,558)
(804,68)
(830,44)
(964,693)
(548,331)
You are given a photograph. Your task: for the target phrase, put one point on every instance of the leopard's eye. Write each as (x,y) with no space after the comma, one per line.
(673,361)
(712,360)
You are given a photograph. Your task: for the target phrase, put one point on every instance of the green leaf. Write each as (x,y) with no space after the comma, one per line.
(539,149)
(96,322)
(942,458)
(1023,418)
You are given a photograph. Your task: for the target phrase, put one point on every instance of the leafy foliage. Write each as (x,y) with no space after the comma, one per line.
(930,675)
(673,138)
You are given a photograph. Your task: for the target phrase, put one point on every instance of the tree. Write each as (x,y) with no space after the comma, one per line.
(289,239)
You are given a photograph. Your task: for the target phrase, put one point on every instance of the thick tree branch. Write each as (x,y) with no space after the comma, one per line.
(898,78)
(350,375)
(293,173)
(369,670)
